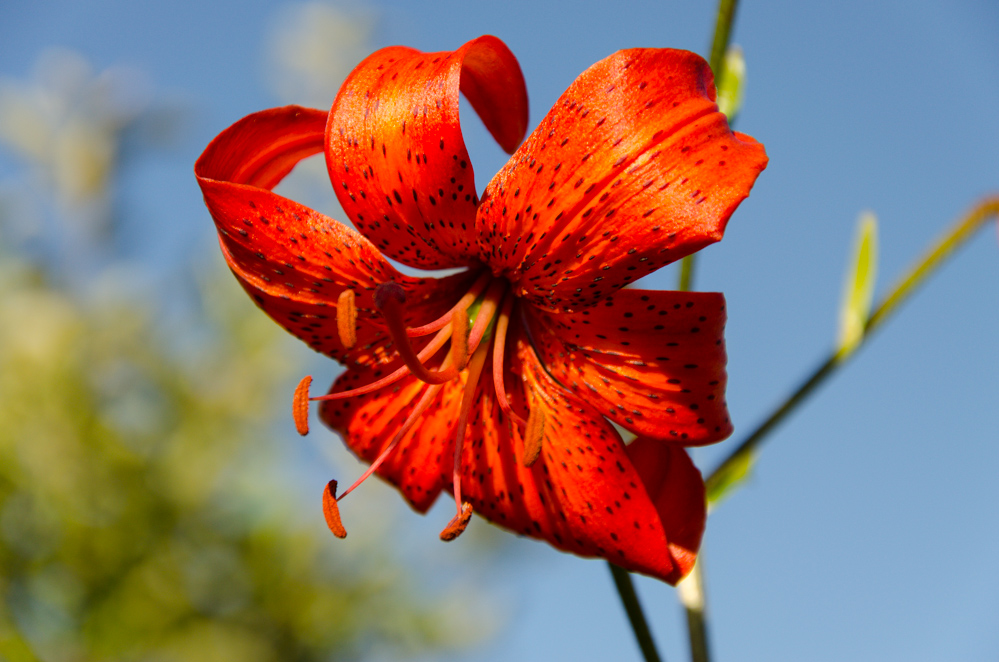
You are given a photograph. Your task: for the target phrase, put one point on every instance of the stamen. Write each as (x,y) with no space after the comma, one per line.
(389,298)
(534,434)
(332,511)
(428,397)
(346,318)
(458,524)
(300,405)
(467,399)
(499,347)
(463,304)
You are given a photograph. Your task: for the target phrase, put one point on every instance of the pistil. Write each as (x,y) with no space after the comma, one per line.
(389,298)
(463,303)
(499,349)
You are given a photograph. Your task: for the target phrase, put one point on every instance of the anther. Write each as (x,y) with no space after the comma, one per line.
(300,405)
(346,318)
(534,433)
(332,511)
(457,525)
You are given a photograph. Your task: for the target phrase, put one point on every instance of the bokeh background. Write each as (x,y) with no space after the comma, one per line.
(156,504)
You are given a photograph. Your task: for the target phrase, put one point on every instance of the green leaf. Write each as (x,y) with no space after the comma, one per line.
(858,290)
(729,477)
(730,83)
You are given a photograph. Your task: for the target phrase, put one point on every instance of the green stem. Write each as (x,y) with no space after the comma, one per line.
(697,628)
(690,590)
(626,589)
(719,44)
(13,646)
(723,29)
(686,274)
(959,233)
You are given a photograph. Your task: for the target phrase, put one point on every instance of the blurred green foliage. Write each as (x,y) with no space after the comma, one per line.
(141,516)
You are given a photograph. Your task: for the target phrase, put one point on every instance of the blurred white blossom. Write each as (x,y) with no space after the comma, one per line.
(66,121)
(313,48)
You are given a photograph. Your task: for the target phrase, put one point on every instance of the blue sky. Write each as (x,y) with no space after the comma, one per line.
(869,528)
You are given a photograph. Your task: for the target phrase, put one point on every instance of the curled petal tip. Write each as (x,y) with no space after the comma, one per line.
(332,511)
(300,405)
(457,525)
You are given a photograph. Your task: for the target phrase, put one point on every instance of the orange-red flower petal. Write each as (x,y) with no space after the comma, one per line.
(293,261)
(395,153)
(632,169)
(583,494)
(651,361)
(676,488)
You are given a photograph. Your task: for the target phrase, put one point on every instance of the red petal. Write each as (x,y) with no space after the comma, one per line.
(676,488)
(368,423)
(294,261)
(632,169)
(582,495)
(651,361)
(395,152)
(262,148)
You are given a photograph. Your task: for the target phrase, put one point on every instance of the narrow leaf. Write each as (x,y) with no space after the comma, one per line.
(720,484)
(858,290)
(731,83)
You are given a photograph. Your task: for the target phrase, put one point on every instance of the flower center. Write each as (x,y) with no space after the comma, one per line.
(476,324)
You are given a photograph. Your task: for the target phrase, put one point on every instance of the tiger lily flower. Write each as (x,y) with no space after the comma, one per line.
(502,383)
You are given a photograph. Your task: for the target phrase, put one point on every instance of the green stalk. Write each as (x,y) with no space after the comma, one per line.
(719,45)
(723,30)
(697,627)
(690,590)
(943,248)
(626,589)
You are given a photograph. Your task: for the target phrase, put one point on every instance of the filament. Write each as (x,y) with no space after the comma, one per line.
(429,394)
(463,304)
(467,400)
(389,298)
